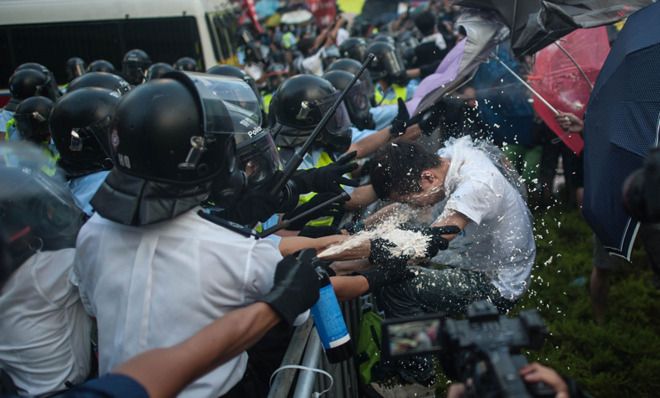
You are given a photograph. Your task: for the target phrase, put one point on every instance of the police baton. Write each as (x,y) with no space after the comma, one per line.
(285,223)
(297,158)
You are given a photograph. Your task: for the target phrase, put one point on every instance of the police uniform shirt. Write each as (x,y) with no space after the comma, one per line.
(384,115)
(157,285)
(45,330)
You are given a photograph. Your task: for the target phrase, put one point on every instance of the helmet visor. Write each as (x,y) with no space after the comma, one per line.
(258,156)
(230,106)
(340,120)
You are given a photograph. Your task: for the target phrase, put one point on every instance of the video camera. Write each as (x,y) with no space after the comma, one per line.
(482,351)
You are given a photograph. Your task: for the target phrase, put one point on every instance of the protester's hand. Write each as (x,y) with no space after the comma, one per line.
(296,286)
(569,122)
(435,235)
(329,178)
(535,373)
(401,121)
(389,268)
(335,209)
(353,227)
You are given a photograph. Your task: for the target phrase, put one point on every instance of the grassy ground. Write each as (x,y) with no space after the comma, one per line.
(618,359)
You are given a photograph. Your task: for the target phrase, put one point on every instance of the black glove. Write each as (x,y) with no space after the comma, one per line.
(318,232)
(296,286)
(430,119)
(436,241)
(335,209)
(389,269)
(353,227)
(328,178)
(380,253)
(254,206)
(401,121)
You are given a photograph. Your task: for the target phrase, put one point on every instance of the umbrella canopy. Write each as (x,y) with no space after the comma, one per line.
(564,74)
(483,32)
(622,124)
(535,24)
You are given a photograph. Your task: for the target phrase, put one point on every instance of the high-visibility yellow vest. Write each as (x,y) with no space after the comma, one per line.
(324,160)
(399,92)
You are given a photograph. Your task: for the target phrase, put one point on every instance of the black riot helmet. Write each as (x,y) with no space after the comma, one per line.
(104,80)
(233,71)
(134,66)
(388,64)
(177,129)
(257,157)
(101,65)
(28,83)
(37,212)
(186,64)
(356,100)
(32,119)
(157,70)
(80,124)
(53,91)
(299,105)
(406,43)
(75,67)
(354,48)
(353,66)
(385,38)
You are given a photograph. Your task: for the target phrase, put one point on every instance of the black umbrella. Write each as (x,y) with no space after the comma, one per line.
(622,125)
(535,24)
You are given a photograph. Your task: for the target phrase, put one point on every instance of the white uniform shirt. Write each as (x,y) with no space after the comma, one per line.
(500,240)
(157,285)
(45,331)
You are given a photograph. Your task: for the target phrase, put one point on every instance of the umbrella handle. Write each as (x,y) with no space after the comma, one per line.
(524,83)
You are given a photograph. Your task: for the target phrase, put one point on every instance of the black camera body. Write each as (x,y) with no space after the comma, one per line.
(483,351)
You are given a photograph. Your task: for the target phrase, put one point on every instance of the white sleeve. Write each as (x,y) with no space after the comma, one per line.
(475,199)
(75,278)
(260,273)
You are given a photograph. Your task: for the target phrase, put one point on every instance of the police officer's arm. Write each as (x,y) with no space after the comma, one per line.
(164,372)
(291,244)
(361,197)
(373,142)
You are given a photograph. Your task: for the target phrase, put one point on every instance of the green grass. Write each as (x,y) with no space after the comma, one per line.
(618,359)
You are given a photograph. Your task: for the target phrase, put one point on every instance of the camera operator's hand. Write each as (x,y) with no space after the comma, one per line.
(335,209)
(535,373)
(296,286)
(436,241)
(401,121)
(329,178)
(569,122)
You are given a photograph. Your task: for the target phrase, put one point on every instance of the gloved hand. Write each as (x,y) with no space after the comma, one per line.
(335,209)
(401,121)
(380,253)
(353,227)
(254,206)
(389,268)
(430,119)
(436,241)
(296,286)
(328,178)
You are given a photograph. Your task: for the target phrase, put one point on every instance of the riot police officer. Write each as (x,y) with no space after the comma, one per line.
(75,67)
(389,73)
(158,70)
(148,245)
(101,65)
(104,80)
(187,64)
(134,66)
(80,124)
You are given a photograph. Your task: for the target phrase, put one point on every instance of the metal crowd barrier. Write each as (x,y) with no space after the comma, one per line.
(305,349)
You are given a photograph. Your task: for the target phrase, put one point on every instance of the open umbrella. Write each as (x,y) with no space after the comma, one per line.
(535,24)
(622,124)
(564,74)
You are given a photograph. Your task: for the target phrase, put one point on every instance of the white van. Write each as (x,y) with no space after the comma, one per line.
(51,31)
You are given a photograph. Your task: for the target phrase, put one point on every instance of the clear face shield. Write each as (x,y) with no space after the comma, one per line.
(337,133)
(358,102)
(258,157)
(37,211)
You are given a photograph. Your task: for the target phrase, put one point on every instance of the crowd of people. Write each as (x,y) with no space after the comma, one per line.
(134,206)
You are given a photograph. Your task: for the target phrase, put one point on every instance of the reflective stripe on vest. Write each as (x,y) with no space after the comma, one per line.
(387,99)
(327,221)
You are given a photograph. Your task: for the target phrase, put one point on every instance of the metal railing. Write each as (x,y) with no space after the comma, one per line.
(305,349)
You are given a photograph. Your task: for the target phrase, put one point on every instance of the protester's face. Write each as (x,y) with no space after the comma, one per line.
(432,191)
